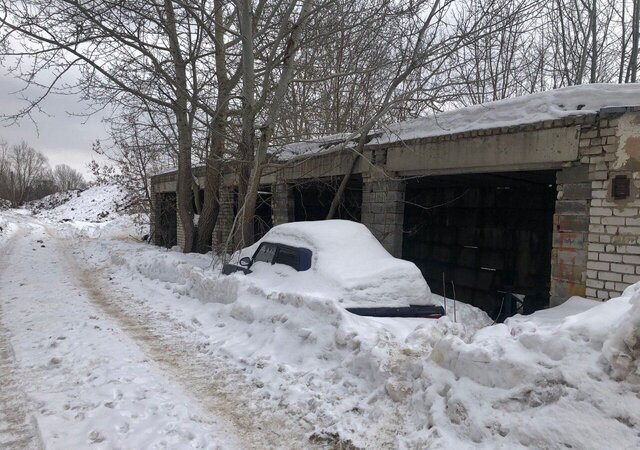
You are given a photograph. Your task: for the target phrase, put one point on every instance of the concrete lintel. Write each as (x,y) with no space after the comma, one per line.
(528,150)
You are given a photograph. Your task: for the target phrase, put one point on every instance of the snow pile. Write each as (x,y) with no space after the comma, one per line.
(7,228)
(4,204)
(398,382)
(348,265)
(95,204)
(549,105)
(338,371)
(621,349)
(547,380)
(100,211)
(51,201)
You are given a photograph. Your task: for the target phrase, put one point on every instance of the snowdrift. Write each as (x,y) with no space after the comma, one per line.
(555,379)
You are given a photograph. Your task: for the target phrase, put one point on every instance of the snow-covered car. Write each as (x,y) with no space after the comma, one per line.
(341,260)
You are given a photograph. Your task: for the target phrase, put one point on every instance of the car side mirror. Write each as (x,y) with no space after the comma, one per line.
(245,262)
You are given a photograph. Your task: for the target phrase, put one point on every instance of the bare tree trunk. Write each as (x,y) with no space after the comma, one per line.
(266,131)
(594,42)
(635,34)
(245,16)
(337,198)
(211,205)
(185,180)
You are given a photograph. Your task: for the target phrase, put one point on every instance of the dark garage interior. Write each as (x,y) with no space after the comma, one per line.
(489,234)
(166,217)
(312,200)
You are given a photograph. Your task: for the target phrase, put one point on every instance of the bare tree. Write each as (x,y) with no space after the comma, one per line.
(28,167)
(67,178)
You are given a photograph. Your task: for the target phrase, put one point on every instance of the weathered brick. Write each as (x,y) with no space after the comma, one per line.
(597,265)
(631,259)
(599,193)
(591,292)
(591,283)
(577,191)
(608,276)
(598,211)
(631,278)
(603,175)
(610,258)
(612,220)
(623,268)
(571,207)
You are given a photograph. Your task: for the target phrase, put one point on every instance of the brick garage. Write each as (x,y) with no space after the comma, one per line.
(592,159)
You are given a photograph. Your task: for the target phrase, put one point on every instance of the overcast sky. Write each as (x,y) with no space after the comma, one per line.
(63,138)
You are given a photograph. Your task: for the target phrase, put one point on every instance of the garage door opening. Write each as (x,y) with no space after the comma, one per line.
(312,200)
(166,220)
(483,235)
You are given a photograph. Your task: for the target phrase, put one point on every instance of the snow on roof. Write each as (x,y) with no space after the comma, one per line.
(532,108)
(549,105)
(323,144)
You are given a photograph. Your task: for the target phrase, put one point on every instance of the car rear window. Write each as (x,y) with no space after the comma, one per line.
(266,253)
(287,256)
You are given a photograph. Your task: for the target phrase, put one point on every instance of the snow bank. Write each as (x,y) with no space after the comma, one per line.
(548,380)
(621,349)
(304,350)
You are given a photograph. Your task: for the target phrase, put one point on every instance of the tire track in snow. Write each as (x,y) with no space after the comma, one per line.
(217,387)
(18,428)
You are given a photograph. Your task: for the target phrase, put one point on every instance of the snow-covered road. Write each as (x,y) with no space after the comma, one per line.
(79,371)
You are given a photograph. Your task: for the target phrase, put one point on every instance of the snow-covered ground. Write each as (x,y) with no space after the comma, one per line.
(119,344)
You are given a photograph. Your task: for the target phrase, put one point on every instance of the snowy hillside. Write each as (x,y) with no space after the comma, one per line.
(96,204)
(101,210)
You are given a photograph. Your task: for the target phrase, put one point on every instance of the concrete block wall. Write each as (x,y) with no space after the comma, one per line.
(225,221)
(383,211)
(611,147)
(570,233)
(282,203)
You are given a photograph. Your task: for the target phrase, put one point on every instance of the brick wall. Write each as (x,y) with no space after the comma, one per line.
(179,228)
(610,148)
